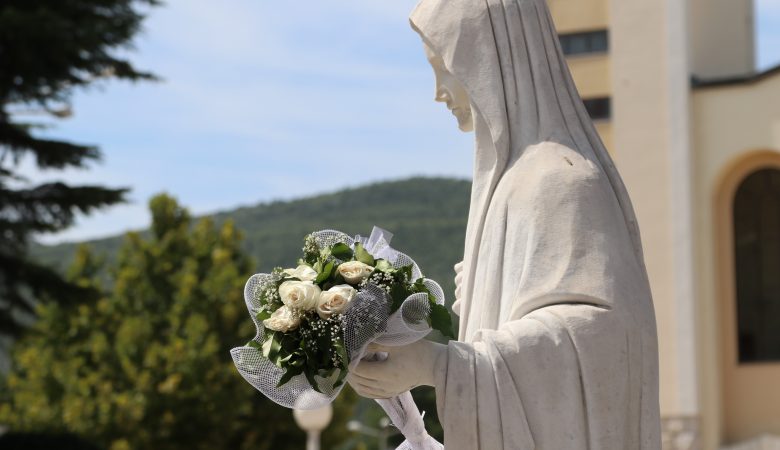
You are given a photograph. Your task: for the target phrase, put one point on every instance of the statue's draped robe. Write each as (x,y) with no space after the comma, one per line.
(557,347)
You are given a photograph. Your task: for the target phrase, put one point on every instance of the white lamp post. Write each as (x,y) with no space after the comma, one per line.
(313,422)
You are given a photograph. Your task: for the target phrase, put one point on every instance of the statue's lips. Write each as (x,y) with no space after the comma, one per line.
(458,112)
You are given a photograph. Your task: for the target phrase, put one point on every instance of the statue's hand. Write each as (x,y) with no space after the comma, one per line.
(405,368)
(458,279)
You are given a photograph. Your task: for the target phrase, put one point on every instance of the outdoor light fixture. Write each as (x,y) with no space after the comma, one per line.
(313,422)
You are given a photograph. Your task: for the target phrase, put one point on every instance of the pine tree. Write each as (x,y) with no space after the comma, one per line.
(48,49)
(147,366)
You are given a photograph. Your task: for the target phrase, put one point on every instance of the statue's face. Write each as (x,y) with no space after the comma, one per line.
(450,91)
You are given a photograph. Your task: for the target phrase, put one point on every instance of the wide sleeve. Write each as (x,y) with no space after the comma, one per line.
(558,343)
(563,377)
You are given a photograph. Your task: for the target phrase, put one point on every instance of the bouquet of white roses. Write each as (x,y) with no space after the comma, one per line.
(315,321)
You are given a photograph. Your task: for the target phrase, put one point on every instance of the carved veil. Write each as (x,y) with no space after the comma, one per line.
(557,321)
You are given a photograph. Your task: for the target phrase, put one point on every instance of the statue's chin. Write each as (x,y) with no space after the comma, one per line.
(466,125)
(465,121)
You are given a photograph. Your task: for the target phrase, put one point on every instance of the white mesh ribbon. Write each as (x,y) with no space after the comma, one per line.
(407,418)
(366,320)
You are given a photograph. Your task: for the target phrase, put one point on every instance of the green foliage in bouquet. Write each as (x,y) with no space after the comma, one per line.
(303,332)
(143,365)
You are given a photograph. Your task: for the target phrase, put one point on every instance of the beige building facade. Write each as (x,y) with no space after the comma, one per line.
(695,132)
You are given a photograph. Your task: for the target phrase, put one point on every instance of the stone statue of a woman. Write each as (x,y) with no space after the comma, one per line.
(557,346)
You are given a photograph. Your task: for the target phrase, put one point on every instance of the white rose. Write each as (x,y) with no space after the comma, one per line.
(283,319)
(355,271)
(300,294)
(302,272)
(334,300)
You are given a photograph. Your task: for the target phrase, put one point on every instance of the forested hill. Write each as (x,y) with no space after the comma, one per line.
(427,215)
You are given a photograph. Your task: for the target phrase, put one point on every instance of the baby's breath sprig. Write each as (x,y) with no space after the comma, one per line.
(382,280)
(324,336)
(269,294)
(311,251)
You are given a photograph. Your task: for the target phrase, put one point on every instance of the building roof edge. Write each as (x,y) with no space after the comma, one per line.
(751,78)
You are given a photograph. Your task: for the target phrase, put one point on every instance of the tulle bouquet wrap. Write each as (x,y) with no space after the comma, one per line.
(315,322)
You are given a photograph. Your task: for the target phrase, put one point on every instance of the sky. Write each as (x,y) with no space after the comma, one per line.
(268,101)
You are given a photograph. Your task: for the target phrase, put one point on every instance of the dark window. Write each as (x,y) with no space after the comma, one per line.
(757,262)
(584,43)
(599,108)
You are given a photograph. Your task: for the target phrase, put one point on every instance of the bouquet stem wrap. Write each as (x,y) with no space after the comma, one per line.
(405,416)
(367,319)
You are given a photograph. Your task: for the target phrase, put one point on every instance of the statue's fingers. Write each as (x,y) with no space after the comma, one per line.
(377,371)
(368,390)
(361,390)
(378,348)
(363,377)
(375,393)
(358,382)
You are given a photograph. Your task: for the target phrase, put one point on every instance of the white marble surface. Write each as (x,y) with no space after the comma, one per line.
(557,346)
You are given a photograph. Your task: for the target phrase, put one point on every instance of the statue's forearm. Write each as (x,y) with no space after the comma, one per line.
(433,360)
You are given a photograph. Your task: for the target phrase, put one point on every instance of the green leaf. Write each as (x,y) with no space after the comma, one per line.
(263,315)
(326,373)
(384,266)
(338,279)
(441,320)
(362,255)
(342,251)
(288,375)
(325,274)
(269,337)
(298,360)
(254,344)
(398,293)
(342,352)
(271,347)
(312,381)
(419,286)
(340,380)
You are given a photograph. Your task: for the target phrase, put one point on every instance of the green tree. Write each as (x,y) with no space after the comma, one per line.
(48,49)
(147,366)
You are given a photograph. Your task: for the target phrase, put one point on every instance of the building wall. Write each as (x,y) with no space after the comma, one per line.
(592,73)
(605,130)
(650,126)
(673,148)
(579,15)
(736,129)
(646,73)
(593,78)
(722,37)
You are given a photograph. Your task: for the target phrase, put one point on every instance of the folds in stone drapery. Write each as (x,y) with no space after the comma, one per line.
(570,362)
(558,340)
(539,383)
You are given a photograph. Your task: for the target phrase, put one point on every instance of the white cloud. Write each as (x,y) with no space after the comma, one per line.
(261,95)
(260,100)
